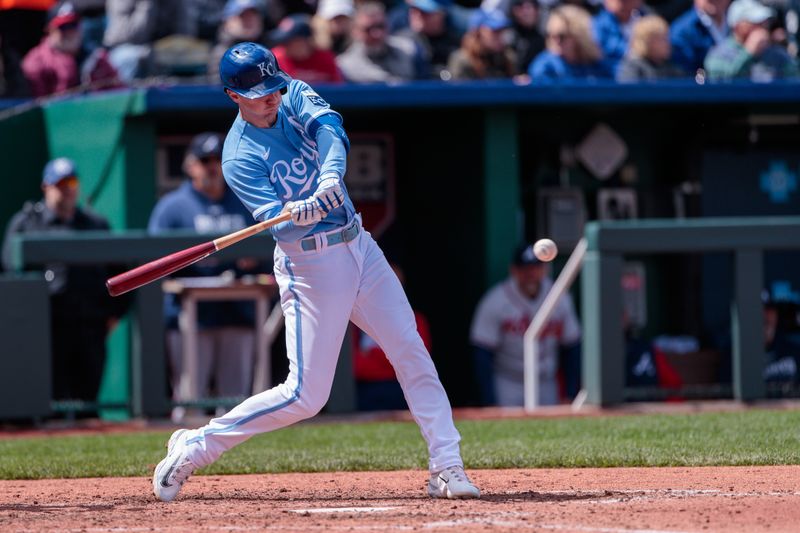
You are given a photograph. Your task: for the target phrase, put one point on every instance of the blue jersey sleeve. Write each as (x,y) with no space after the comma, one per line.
(249,180)
(307,105)
(324,125)
(332,144)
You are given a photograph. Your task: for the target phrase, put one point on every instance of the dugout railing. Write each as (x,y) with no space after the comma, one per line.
(140,387)
(746,239)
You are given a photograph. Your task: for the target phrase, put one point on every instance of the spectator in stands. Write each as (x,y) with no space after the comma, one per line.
(571,51)
(205,18)
(485,52)
(226,340)
(21,23)
(527,39)
(376,56)
(243,20)
(498,328)
(612,28)
(377,388)
(82,313)
(333,24)
(696,31)
(93,22)
(547,6)
(749,52)
(297,54)
(58,64)
(458,14)
(648,57)
(133,28)
(430,28)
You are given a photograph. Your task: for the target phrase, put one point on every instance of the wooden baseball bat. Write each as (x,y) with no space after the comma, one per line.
(158,268)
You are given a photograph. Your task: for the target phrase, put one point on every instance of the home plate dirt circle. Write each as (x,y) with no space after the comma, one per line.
(613,500)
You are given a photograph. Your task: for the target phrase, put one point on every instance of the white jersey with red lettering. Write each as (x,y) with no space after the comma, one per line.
(499,324)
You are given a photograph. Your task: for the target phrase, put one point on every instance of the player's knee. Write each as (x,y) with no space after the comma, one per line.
(311,403)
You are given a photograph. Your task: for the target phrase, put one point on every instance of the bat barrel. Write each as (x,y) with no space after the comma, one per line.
(142,275)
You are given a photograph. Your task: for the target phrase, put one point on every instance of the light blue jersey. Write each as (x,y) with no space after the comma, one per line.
(268,167)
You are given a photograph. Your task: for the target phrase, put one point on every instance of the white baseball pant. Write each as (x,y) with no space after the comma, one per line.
(321,291)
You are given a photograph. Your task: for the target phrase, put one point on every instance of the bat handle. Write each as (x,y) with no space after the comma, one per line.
(233,238)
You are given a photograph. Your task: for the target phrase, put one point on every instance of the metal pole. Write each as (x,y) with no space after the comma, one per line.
(530,340)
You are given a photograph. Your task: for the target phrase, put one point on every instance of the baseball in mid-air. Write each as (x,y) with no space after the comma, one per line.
(545,250)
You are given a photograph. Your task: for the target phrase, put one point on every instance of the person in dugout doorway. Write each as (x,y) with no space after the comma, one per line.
(498,329)
(81,311)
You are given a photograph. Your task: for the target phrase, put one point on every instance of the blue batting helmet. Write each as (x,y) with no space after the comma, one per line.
(251,70)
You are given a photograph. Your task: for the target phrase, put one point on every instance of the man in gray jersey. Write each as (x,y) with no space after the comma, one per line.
(498,328)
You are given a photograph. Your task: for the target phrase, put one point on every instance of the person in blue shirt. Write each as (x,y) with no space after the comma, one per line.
(695,32)
(571,52)
(286,152)
(226,342)
(612,27)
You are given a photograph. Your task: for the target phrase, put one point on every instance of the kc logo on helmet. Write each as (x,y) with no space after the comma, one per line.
(267,69)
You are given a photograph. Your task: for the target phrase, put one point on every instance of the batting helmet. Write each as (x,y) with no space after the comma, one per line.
(251,70)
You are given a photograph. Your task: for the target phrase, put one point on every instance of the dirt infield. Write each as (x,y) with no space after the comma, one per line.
(610,500)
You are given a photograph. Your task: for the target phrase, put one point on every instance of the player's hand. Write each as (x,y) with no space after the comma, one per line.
(305,212)
(329,196)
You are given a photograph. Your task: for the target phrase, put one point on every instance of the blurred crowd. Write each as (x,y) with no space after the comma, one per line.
(51,47)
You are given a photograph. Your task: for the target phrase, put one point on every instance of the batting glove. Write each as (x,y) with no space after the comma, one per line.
(329,196)
(305,212)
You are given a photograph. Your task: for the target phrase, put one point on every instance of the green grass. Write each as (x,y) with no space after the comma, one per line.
(745,438)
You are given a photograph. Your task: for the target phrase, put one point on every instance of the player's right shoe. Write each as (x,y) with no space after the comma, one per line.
(174,469)
(453,483)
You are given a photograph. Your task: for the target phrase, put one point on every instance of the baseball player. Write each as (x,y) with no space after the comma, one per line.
(286,151)
(498,328)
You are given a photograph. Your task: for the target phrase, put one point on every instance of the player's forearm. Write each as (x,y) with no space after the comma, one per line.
(332,154)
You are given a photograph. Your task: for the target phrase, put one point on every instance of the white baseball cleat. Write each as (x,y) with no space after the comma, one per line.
(173,470)
(453,483)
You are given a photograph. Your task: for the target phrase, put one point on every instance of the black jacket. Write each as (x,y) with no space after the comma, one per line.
(78,292)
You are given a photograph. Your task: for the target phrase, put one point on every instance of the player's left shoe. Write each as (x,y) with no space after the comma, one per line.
(174,469)
(453,483)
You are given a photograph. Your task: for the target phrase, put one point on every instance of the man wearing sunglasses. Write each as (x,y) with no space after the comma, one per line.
(82,313)
(375,56)
(287,153)
(226,343)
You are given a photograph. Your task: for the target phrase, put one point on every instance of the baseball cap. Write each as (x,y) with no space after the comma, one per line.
(61,15)
(330,9)
(297,25)
(58,169)
(427,6)
(524,256)
(495,20)
(207,144)
(748,11)
(235,7)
